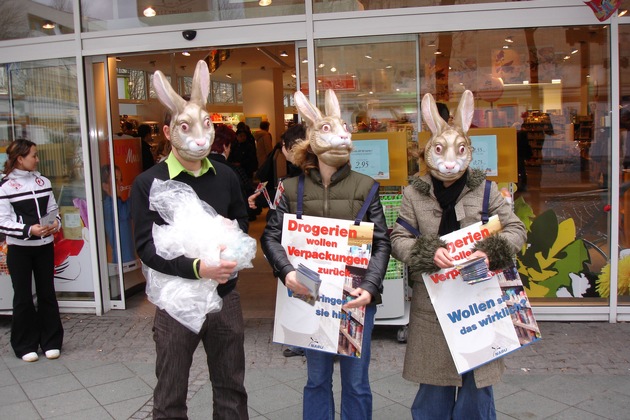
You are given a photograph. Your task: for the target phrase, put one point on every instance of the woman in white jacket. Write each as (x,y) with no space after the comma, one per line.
(25,198)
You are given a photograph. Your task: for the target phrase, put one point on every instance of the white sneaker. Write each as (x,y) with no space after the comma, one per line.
(52,354)
(30,357)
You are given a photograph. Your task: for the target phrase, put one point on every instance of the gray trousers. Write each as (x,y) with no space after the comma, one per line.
(222,335)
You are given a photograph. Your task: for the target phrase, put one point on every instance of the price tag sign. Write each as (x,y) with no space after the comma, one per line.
(371,158)
(485,154)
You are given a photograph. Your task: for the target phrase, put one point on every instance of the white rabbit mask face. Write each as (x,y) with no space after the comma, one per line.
(449,151)
(328,134)
(191,130)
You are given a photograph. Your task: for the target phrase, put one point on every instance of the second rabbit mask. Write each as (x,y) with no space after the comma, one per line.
(327,135)
(191,129)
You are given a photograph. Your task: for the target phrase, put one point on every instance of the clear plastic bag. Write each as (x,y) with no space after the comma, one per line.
(193,229)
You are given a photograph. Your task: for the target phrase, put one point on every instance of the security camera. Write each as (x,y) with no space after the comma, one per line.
(189,35)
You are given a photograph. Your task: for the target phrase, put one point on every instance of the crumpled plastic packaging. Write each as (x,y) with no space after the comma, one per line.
(194,229)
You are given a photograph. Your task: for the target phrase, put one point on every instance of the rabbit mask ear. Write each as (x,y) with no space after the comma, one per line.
(327,135)
(191,130)
(448,152)
(309,112)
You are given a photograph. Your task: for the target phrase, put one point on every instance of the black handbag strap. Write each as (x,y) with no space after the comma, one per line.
(486,202)
(366,203)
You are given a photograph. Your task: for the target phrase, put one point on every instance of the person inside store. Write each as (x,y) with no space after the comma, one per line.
(243,153)
(148,160)
(264,142)
(222,332)
(127,250)
(224,139)
(29,217)
(294,134)
(331,189)
(454,193)
(250,137)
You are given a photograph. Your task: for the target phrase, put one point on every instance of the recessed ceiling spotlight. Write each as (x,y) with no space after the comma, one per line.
(431,43)
(438,52)
(622,12)
(283,54)
(186,54)
(305,61)
(368,56)
(509,39)
(333,69)
(48,25)
(574,51)
(264,3)
(229,75)
(149,12)
(321,65)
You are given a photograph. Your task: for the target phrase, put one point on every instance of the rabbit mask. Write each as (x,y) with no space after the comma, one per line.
(449,150)
(191,129)
(327,135)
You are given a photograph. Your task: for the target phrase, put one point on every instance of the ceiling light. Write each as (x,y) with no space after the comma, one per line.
(431,44)
(149,12)
(438,52)
(574,51)
(304,61)
(566,57)
(186,54)
(506,47)
(283,54)
(368,56)
(293,75)
(321,65)
(388,67)
(333,69)
(556,81)
(622,12)
(48,25)
(264,3)
(118,59)
(509,39)
(229,75)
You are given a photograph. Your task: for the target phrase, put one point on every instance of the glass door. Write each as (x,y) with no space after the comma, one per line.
(109,205)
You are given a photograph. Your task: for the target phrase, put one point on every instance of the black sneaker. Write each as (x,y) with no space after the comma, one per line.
(291,353)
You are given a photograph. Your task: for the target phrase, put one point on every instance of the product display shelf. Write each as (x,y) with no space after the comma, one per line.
(394,309)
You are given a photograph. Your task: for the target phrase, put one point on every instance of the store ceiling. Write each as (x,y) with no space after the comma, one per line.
(242,58)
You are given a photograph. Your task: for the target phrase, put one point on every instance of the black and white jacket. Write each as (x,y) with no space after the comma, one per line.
(24,198)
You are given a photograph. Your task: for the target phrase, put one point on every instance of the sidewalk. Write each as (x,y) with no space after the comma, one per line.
(579,370)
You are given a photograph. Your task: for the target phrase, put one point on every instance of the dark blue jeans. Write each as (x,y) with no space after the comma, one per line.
(356,395)
(454,403)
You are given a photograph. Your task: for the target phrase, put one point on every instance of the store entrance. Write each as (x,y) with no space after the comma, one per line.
(248,84)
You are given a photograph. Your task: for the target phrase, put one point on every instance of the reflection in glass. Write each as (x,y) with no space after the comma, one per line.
(42,102)
(35,18)
(97,15)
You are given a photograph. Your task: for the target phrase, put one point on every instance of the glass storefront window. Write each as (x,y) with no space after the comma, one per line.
(41,101)
(552,85)
(35,18)
(329,6)
(97,15)
(624,154)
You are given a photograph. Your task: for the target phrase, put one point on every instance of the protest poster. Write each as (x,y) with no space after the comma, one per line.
(485,320)
(331,257)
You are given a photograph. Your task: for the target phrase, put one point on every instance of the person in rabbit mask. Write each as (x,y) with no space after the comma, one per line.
(191,134)
(448,198)
(331,189)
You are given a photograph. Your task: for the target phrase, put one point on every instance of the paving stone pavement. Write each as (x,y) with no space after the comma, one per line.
(579,370)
